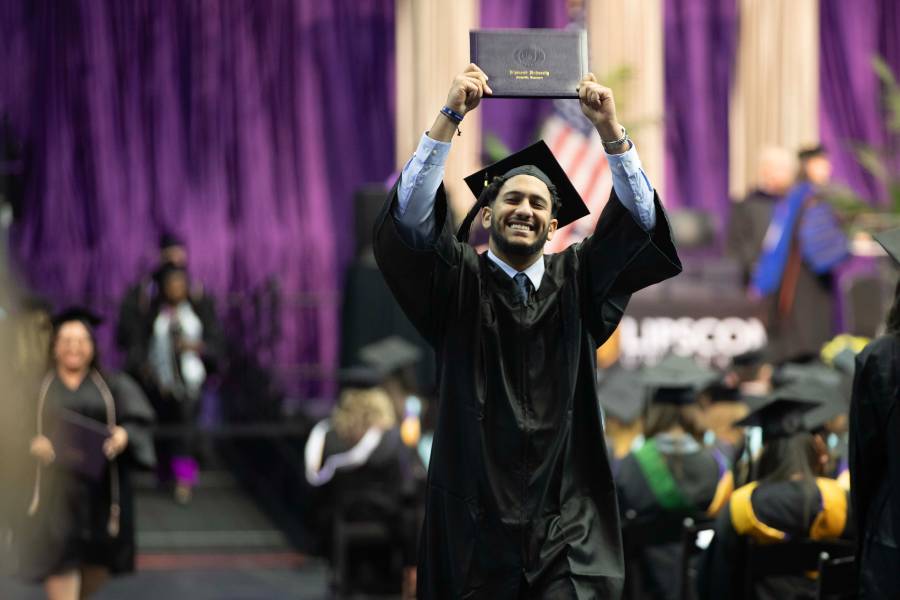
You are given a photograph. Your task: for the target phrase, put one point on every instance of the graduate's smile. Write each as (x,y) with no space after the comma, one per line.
(520,218)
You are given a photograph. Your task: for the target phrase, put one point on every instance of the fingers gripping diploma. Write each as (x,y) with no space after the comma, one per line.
(466,92)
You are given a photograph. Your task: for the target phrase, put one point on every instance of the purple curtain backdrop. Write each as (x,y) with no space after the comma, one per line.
(700,39)
(516,122)
(850,107)
(242,126)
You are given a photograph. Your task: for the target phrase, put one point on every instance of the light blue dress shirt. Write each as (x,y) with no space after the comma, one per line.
(422,176)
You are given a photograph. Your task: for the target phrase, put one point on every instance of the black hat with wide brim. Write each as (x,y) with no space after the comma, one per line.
(536,160)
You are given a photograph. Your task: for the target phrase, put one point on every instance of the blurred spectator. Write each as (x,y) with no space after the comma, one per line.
(671,473)
(803,245)
(91,429)
(135,309)
(363,473)
(621,395)
(790,501)
(874,456)
(178,343)
(750,217)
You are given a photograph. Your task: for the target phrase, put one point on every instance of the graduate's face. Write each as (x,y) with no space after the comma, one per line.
(73,348)
(520,218)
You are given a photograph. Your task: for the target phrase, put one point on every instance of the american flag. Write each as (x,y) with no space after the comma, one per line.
(579,151)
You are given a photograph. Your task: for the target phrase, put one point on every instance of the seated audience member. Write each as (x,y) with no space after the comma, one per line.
(722,405)
(672,472)
(395,359)
(790,501)
(364,472)
(183,344)
(874,455)
(92,427)
(803,246)
(134,310)
(621,397)
(750,216)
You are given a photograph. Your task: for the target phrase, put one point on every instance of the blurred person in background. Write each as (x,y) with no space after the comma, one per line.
(181,345)
(875,452)
(621,396)
(804,244)
(92,429)
(791,500)
(672,472)
(362,471)
(750,217)
(134,310)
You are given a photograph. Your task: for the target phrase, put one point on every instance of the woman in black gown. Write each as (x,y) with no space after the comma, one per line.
(89,429)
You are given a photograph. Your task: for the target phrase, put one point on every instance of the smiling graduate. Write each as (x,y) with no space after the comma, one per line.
(520,500)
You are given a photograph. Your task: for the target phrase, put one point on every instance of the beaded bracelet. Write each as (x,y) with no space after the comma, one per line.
(452,115)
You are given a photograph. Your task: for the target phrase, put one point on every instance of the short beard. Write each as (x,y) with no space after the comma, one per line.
(510,249)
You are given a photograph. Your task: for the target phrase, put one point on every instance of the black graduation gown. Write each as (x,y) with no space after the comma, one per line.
(875,466)
(697,475)
(788,506)
(386,489)
(519,490)
(70,528)
(747,225)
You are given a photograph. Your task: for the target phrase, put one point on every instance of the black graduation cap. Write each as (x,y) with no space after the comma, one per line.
(722,391)
(799,405)
(536,160)
(811,151)
(677,380)
(169,240)
(76,313)
(890,241)
(751,358)
(621,394)
(390,354)
(359,377)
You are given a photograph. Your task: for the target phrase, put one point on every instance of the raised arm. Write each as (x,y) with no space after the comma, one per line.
(422,175)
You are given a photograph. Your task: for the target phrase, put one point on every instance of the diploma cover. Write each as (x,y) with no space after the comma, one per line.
(78,443)
(531,63)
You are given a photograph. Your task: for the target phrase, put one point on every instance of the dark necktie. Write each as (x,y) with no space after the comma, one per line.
(523,287)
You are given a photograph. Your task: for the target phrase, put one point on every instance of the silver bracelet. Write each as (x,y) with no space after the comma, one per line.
(617,142)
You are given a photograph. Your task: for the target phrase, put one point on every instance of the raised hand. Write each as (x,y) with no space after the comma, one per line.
(599,106)
(467,89)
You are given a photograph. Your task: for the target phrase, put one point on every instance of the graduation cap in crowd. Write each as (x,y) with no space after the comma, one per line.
(76,313)
(359,377)
(890,241)
(677,380)
(621,395)
(169,240)
(538,161)
(799,405)
(722,391)
(811,151)
(391,354)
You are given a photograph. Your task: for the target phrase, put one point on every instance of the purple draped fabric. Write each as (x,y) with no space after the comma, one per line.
(699,48)
(850,107)
(516,122)
(242,126)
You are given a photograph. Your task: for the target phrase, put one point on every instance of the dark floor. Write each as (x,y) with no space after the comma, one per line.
(219,547)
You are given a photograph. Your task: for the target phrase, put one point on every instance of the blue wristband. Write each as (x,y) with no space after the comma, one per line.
(452,115)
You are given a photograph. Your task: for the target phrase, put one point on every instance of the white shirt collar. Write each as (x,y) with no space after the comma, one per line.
(535,272)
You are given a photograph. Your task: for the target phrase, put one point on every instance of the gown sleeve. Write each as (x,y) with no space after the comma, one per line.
(134,413)
(873,393)
(427,282)
(618,259)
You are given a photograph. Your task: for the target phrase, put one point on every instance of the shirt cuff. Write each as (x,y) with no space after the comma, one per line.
(625,163)
(431,151)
